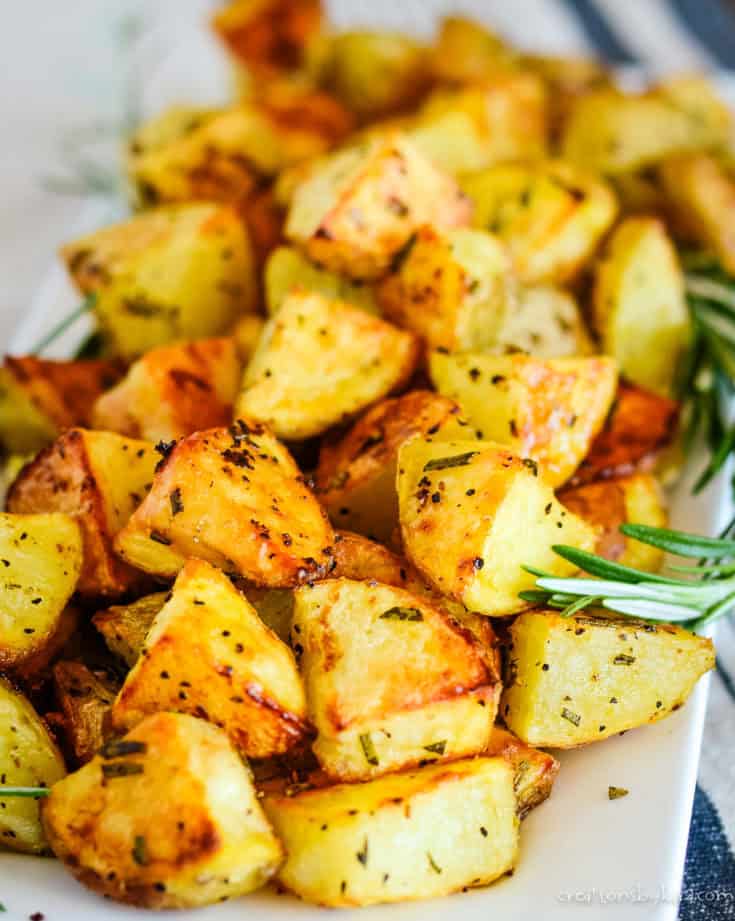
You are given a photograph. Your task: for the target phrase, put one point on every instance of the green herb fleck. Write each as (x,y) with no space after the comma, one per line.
(444,463)
(368,749)
(121,769)
(362,854)
(432,863)
(116,748)
(622,659)
(399,613)
(437,748)
(616,792)
(140,851)
(177,506)
(572,717)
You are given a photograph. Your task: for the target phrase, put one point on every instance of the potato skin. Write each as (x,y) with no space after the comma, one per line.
(173,391)
(642,673)
(223,483)
(172,823)
(124,626)
(208,654)
(535,771)
(355,477)
(360,844)
(85,700)
(97,478)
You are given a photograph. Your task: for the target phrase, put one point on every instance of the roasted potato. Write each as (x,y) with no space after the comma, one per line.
(547,410)
(607,504)
(360,207)
(124,626)
(426,833)
(39,398)
(98,478)
(28,758)
(545,322)
(452,289)
(320,362)
(551,215)
(235,498)
(566,79)
(85,700)
(640,308)
(172,391)
(575,680)
(207,653)
(534,770)
(177,272)
(473,513)
(467,52)
(166,817)
(246,334)
(42,559)
(356,475)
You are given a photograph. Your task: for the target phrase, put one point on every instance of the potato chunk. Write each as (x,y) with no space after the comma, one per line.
(375,712)
(545,322)
(551,216)
(467,52)
(179,272)
(608,504)
(98,478)
(39,398)
(207,653)
(124,626)
(28,758)
(578,680)
(640,306)
(85,699)
(235,498)
(173,391)
(452,289)
(534,770)
(41,561)
(549,410)
(358,209)
(166,817)
(405,836)
(356,476)
(319,362)
(473,513)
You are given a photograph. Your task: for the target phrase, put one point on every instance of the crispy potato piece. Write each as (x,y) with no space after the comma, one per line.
(360,207)
(98,478)
(642,672)
(235,498)
(467,52)
(473,513)
(124,626)
(166,817)
(545,322)
(288,269)
(39,398)
(639,304)
(535,771)
(608,504)
(28,758)
(207,653)
(356,475)
(173,391)
(178,272)
(639,425)
(373,712)
(612,132)
(551,215)
(548,410)
(702,196)
(319,362)
(566,79)
(415,835)
(85,699)
(42,559)
(294,103)
(453,289)
(246,333)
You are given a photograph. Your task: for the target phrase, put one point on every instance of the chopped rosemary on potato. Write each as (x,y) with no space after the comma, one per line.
(616,792)
(20,792)
(368,749)
(444,463)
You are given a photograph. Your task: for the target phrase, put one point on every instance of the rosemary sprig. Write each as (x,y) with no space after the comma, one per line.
(25,792)
(705,596)
(66,323)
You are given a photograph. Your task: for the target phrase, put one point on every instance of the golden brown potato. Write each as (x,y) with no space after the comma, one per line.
(534,770)
(173,391)
(39,398)
(320,362)
(607,504)
(207,653)
(356,475)
(235,498)
(124,626)
(551,215)
(639,304)
(85,699)
(41,558)
(453,289)
(545,322)
(246,333)
(28,758)
(359,208)
(98,478)
(566,79)
(178,272)
(549,411)
(413,835)
(467,52)
(473,513)
(575,680)
(375,712)
(639,425)
(166,817)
